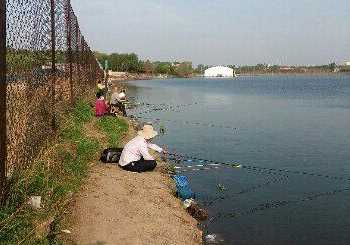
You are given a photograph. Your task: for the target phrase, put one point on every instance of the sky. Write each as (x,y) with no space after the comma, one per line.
(220,32)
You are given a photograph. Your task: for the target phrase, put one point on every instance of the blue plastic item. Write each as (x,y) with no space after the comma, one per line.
(183,189)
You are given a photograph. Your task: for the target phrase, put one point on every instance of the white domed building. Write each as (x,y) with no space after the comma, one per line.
(219,71)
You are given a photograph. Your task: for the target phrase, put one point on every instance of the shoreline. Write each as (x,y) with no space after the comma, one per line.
(130,77)
(146,77)
(294,74)
(130,208)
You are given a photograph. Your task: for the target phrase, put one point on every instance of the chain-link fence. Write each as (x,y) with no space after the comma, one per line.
(46,65)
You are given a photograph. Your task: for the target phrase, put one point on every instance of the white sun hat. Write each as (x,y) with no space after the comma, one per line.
(147,132)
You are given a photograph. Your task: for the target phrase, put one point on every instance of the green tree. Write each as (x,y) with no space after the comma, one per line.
(163,67)
(148,67)
(201,68)
(332,66)
(121,62)
(184,69)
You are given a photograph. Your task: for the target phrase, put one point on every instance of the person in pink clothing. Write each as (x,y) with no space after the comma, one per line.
(101,106)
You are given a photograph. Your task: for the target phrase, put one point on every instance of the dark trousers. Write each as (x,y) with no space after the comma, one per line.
(141,166)
(121,108)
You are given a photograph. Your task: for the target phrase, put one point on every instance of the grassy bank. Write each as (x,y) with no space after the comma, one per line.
(55,175)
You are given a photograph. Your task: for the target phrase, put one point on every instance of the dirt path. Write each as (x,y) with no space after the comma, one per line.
(119,207)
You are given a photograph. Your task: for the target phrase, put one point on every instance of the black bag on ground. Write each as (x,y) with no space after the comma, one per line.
(111,155)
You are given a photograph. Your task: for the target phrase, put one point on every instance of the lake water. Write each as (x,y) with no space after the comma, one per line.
(295,123)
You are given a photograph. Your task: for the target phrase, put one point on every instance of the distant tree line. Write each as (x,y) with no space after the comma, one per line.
(23,59)
(131,63)
(121,62)
(266,68)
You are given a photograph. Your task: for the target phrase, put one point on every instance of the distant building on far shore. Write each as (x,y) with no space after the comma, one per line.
(347,63)
(219,71)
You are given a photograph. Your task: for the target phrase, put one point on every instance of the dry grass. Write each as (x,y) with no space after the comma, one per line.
(57,172)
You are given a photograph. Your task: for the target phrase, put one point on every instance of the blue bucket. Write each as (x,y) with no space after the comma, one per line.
(183,189)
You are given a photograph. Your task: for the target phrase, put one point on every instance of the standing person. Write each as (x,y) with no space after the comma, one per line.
(101,107)
(117,100)
(135,156)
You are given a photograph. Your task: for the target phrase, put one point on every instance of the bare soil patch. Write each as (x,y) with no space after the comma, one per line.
(119,207)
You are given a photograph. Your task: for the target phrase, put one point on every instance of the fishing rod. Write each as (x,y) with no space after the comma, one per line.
(252,167)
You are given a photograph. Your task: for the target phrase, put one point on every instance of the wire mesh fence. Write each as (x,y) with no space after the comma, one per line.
(46,65)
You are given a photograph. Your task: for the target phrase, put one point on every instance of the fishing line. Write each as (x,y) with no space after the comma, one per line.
(200,124)
(183,169)
(251,189)
(277,204)
(252,167)
(164,107)
(266,205)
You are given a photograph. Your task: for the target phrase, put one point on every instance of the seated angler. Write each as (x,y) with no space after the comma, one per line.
(117,104)
(135,156)
(101,107)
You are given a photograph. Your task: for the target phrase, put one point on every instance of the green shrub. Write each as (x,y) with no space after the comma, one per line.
(73,133)
(87,149)
(54,183)
(54,178)
(114,128)
(82,112)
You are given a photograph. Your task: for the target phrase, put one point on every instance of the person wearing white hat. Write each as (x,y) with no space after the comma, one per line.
(117,100)
(135,156)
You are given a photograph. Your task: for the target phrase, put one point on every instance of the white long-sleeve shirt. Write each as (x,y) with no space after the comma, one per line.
(135,149)
(118,97)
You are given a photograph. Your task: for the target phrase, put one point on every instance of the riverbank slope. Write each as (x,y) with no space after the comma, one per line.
(119,207)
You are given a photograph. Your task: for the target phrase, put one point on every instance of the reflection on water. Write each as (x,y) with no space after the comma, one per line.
(296,123)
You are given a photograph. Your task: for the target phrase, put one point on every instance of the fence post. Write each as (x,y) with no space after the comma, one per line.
(69,43)
(78,50)
(106,78)
(53,64)
(3,88)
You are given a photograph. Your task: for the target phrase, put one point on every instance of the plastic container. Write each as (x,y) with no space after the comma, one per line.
(183,189)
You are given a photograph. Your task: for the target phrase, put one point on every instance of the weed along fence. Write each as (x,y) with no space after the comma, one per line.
(46,66)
